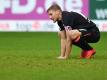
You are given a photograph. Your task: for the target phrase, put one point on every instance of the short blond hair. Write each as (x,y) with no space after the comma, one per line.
(54,7)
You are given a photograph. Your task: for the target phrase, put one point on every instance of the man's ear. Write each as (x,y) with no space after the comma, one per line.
(58,12)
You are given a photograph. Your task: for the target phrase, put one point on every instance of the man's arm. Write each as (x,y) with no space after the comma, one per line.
(68,45)
(62,35)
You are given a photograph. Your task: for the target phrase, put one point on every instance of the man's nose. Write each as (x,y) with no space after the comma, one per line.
(50,17)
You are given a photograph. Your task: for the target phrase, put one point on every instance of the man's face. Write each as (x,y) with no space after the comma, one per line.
(54,15)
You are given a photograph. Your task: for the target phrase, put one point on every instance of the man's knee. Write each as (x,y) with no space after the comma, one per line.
(74,34)
(71,35)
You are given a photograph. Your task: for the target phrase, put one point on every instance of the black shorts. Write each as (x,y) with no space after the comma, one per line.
(91,35)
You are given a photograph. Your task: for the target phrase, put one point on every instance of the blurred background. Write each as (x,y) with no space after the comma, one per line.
(30,15)
(29,43)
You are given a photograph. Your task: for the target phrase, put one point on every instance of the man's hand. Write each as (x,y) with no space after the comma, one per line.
(62,57)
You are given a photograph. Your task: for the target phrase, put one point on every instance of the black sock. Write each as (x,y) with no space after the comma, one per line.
(83,44)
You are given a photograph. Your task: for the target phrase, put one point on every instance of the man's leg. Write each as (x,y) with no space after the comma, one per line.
(82,44)
(87,50)
(85,38)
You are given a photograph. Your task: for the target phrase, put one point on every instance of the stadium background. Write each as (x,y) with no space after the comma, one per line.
(29,43)
(30,15)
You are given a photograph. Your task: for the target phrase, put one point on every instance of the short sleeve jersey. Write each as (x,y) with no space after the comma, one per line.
(74,20)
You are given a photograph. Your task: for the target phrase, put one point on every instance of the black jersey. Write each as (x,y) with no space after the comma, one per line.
(74,20)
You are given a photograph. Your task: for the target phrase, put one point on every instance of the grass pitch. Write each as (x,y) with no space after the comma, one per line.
(32,56)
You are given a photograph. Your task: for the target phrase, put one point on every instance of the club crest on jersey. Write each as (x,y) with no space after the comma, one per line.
(68,28)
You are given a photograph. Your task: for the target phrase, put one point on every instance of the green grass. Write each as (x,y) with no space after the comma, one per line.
(32,56)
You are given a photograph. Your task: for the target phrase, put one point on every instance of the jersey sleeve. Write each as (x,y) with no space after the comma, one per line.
(61,26)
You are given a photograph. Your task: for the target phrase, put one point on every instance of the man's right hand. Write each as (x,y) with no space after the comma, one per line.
(61,57)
